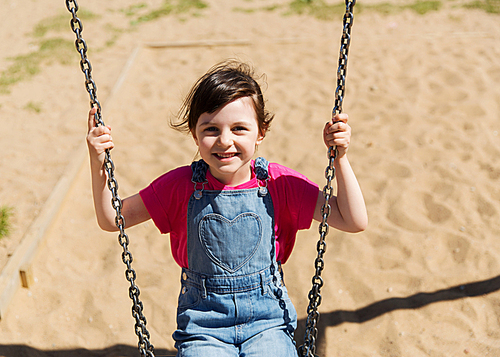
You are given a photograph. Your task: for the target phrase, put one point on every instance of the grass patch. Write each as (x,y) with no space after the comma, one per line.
(316,8)
(49,50)
(322,10)
(490,6)
(26,66)
(115,32)
(421,7)
(132,10)
(382,8)
(33,107)
(63,51)
(252,10)
(170,7)
(5,215)
(248,11)
(59,23)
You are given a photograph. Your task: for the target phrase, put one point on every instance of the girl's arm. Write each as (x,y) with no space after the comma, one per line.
(133,210)
(348,210)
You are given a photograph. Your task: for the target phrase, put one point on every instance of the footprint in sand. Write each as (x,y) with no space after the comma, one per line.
(396,213)
(399,213)
(485,209)
(399,170)
(436,212)
(459,247)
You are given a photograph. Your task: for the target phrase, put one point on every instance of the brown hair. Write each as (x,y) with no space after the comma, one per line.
(222,84)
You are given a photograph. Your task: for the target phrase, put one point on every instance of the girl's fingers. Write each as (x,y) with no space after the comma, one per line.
(339,126)
(338,135)
(101,143)
(100,133)
(107,145)
(342,117)
(101,130)
(91,120)
(100,138)
(338,132)
(344,142)
(104,138)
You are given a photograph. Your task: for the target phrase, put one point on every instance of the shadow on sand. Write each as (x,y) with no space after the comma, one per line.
(113,351)
(381,307)
(327,319)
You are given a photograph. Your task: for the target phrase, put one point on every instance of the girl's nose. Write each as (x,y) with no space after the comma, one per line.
(225,138)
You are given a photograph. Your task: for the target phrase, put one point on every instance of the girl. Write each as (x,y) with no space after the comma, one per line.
(231,219)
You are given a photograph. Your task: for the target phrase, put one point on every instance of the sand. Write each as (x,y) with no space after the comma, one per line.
(423,96)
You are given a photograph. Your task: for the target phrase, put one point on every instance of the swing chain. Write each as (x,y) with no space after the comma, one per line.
(145,347)
(308,349)
(345,41)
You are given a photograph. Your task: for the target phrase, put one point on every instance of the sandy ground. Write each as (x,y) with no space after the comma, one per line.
(423,96)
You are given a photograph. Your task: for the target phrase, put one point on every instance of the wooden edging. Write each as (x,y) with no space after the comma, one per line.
(17,272)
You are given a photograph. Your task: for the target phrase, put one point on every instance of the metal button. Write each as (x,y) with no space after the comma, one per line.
(184,276)
(262,191)
(184,289)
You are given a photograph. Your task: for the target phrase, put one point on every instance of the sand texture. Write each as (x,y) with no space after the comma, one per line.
(423,97)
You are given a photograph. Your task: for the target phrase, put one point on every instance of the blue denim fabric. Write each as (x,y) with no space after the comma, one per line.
(233,301)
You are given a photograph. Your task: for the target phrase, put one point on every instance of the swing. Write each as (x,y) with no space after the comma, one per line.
(144,345)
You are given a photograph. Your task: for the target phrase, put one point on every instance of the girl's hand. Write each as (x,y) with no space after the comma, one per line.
(98,139)
(338,133)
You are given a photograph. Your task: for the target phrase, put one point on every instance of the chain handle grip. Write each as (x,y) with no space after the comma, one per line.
(308,349)
(144,346)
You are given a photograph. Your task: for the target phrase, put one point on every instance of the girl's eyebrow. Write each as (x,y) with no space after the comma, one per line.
(241,123)
(238,123)
(205,123)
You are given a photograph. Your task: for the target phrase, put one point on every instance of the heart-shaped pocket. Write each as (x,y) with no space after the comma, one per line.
(230,243)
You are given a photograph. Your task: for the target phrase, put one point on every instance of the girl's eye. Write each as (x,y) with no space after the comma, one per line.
(211,128)
(240,128)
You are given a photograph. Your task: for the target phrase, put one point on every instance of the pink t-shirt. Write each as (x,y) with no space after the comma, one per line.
(294,199)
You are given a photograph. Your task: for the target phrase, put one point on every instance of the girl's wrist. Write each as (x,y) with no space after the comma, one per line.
(340,159)
(97,165)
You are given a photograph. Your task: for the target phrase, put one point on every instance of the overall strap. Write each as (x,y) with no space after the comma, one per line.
(261,168)
(199,169)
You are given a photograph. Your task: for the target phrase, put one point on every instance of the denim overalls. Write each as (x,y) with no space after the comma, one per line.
(232,300)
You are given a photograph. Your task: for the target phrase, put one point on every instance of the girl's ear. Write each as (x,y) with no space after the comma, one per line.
(261,137)
(193,133)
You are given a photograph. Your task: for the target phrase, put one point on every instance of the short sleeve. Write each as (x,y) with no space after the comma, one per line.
(166,200)
(294,200)
(155,208)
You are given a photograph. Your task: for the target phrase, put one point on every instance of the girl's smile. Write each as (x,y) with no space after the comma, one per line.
(227,140)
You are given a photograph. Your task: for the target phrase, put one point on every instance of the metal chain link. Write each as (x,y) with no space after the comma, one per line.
(308,349)
(145,347)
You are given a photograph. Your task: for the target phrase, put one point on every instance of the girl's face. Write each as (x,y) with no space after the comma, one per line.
(227,140)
